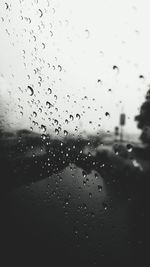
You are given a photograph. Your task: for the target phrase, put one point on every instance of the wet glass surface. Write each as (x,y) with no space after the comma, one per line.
(74,133)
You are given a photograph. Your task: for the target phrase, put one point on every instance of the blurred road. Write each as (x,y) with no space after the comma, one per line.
(74,207)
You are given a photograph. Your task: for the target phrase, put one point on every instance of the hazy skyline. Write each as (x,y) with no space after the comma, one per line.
(90,53)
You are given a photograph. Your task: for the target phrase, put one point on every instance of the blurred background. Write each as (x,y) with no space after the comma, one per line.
(75,131)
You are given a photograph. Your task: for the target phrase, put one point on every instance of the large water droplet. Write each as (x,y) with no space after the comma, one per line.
(48,104)
(30,90)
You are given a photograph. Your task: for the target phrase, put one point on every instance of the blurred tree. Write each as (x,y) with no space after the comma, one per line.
(143,119)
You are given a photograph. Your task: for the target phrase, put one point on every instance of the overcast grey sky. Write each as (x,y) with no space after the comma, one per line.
(71,47)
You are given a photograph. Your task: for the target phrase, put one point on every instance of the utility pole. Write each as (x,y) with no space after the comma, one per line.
(122,123)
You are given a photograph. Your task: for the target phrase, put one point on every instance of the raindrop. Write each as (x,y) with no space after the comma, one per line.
(56,131)
(105,206)
(107,114)
(71,117)
(84,174)
(30,90)
(99,188)
(96,175)
(56,121)
(43,136)
(141,76)
(43,45)
(90,195)
(51,33)
(49,90)
(129,147)
(40,13)
(66,202)
(115,68)
(78,116)
(34,114)
(43,127)
(48,104)
(60,68)
(7,6)
(65,133)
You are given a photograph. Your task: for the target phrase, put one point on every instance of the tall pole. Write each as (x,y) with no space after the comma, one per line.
(121,133)
(122,123)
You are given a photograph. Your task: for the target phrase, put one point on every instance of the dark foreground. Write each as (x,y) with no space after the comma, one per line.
(65,207)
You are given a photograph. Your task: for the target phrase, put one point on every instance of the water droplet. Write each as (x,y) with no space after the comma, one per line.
(96,175)
(30,90)
(48,104)
(65,133)
(43,45)
(60,67)
(49,90)
(43,128)
(78,116)
(56,121)
(57,131)
(99,188)
(66,202)
(129,147)
(71,117)
(51,33)
(115,68)
(43,137)
(40,13)
(105,206)
(6,5)
(141,76)
(34,114)
(84,174)
(107,114)
(90,195)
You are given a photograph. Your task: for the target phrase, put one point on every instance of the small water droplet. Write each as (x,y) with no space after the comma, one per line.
(99,188)
(90,195)
(141,76)
(78,116)
(107,114)
(129,147)
(56,131)
(34,114)
(43,137)
(40,13)
(48,104)
(105,206)
(71,117)
(43,128)
(84,174)
(65,133)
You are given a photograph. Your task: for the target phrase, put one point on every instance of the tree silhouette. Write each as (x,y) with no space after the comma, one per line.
(143,119)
